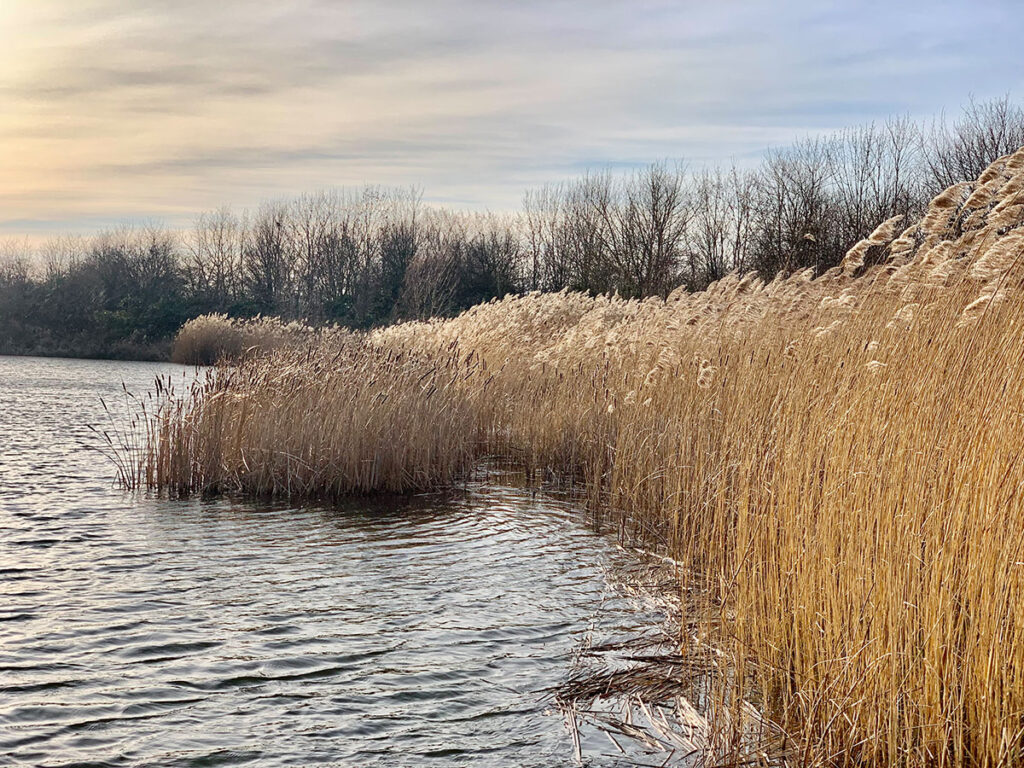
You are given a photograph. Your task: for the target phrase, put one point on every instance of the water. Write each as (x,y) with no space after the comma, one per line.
(143,632)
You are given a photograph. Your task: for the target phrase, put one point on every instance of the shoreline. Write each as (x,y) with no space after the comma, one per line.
(806,449)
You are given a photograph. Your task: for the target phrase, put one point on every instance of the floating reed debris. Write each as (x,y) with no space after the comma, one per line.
(837,459)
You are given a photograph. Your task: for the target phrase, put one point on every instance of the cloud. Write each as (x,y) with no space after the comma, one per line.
(141,109)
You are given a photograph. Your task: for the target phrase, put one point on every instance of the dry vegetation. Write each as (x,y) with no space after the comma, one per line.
(208,338)
(835,462)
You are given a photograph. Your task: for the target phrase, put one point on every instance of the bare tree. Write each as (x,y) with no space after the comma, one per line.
(265,258)
(877,176)
(721,225)
(589,234)
(795,209)
(60,256)
(312,233)
(653,219)
(962,150)
(212,257)
(543,222)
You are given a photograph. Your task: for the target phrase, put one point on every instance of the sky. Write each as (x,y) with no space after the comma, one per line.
(115,111)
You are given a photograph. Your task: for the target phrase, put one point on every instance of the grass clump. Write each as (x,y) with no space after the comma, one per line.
(208,338)
(321,422)
(835,461)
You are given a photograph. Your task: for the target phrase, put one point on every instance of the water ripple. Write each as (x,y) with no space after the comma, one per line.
(143,632)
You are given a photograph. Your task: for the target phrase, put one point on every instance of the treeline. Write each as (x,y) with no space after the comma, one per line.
(362,259)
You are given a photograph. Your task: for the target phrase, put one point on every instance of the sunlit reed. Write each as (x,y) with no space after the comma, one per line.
(837,460)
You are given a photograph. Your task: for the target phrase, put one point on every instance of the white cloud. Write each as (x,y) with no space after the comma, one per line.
(138,108)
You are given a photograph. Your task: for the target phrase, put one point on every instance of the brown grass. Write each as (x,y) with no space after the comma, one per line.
(331,420)
(208,338)
(836,460)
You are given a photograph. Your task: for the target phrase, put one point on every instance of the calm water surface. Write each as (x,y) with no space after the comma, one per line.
(143,632)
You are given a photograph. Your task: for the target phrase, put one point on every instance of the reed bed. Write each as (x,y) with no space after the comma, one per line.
(322,422)
(206,339)
(835,461)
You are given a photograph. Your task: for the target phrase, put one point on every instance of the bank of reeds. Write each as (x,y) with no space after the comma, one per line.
(835,461)
(316,422)
(208,338)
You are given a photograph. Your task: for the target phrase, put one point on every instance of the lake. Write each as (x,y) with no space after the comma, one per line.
(139,631)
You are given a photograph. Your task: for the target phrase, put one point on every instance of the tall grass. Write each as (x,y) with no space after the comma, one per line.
(836,461)
(325,421)
(208,338)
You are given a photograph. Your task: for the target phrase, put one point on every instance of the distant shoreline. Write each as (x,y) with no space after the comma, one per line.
(120,353)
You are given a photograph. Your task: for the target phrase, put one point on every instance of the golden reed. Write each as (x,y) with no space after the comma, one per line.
(836,461)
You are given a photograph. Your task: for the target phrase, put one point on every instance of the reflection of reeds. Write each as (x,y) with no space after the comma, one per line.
(837,458)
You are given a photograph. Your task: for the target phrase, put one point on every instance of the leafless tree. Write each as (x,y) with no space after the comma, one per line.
(265,260)
(60,256)
(795,208)
(212,257)
(960,151)
(877,176)
(720,235)
(312,226)
(543,221)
